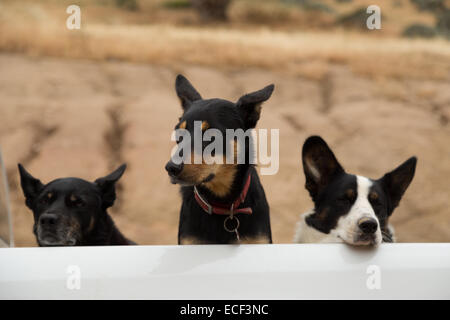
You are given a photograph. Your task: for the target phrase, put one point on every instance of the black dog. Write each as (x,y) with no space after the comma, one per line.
(222,203)
(72,211)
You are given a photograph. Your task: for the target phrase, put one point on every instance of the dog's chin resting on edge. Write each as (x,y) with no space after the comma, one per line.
(348,208)
(307,234)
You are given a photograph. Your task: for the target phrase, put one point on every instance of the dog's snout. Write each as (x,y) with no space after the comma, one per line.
(174,169)
(48,219)
(368,225)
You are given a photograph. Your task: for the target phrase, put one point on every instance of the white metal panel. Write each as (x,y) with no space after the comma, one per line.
(295,271)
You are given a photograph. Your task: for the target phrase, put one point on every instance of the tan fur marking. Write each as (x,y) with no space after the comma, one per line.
(235,148)
(255,240)
(182,125)
(220,185)
(196,173)
(190,241)
(258,108)
(74,229)
(205,125)
(73,198)
(91,224)
(322,215)
(224,177)
(373,196)
(74,224)
(350,193)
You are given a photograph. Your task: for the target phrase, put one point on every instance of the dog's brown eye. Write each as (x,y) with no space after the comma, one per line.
(46,199)
(347,197)
(374,198)
(75,201)
(350,194)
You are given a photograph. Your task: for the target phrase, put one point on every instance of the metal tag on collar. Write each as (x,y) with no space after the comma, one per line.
(235,229)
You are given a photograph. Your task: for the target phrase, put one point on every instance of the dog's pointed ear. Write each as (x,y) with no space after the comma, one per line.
(186,92)
(107,186)
(319,164)
(31,186)
(397,181)
(249,105)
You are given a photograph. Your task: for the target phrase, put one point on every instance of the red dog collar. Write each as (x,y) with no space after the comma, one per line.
(224,210)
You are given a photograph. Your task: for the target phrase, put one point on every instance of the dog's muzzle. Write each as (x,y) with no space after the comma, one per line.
(48,220)
(54,230)
(174,169)
(367,231)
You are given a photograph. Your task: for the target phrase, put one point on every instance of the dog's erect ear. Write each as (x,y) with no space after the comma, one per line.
(249,105)
(107,186)
(186,92)
(31,186)
(397,181)
(319,164)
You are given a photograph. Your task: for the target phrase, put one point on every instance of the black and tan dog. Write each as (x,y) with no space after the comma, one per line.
(222,203)
(72,211)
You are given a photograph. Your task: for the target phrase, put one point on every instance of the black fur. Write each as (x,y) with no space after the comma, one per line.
(73,211)
(197,224)
(334,191)
(220,114)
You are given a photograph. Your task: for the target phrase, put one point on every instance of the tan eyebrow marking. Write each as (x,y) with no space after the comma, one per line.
(49,195)
(91,223)
(73,198)
(350,193)
(373,195)
(205,125)
(182,125)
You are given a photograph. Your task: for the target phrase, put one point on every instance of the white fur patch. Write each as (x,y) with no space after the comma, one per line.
(347,229)
(307,234)
(347,226)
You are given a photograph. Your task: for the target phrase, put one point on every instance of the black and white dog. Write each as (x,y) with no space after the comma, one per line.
(348,208)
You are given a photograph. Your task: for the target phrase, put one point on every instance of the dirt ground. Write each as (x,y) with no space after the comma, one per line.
(81,118)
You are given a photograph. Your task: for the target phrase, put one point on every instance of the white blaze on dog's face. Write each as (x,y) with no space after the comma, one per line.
(360,225)
(348,208)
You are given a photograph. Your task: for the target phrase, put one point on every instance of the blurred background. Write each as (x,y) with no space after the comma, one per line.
(81,102)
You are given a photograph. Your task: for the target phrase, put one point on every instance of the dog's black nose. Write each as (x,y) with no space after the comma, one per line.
(48,219)
(174,169)
(368,225)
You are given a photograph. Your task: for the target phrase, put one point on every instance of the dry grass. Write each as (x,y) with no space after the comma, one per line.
(306,53)
(107,34)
